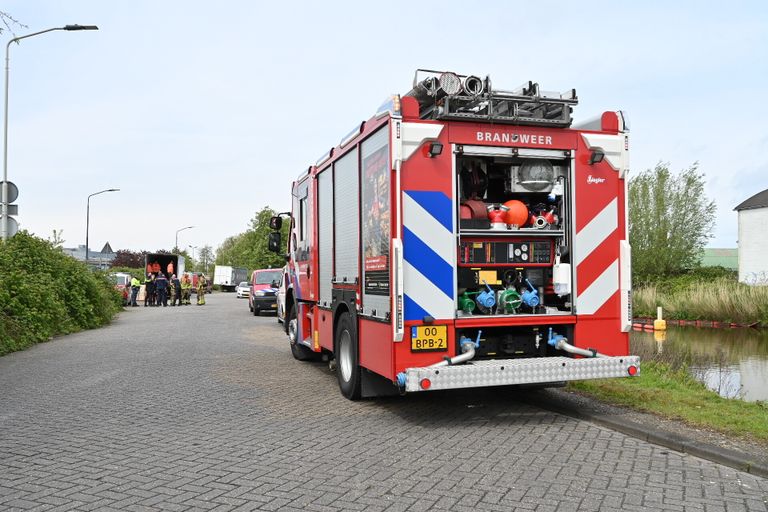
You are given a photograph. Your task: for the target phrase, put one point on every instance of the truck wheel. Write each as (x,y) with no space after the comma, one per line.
(299,351)
(347,357)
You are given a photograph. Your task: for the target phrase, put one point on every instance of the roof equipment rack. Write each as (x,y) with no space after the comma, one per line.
(447,95)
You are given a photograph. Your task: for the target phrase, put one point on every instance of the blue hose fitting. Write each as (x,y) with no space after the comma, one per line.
(486,298)
(530,297)
(554,338)
(401,380)
(464,340)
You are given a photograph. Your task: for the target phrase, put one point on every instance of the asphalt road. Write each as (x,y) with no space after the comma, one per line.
(193,408)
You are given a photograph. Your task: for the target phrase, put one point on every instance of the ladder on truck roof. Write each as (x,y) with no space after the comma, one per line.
(447,95)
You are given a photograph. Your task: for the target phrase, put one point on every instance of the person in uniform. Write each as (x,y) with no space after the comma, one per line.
(135,285)
(171,289)
(161,286)
(149,289)
(186,290)
(176,291)
(201,290)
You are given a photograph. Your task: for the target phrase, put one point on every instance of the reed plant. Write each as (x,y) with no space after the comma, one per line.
(720,299)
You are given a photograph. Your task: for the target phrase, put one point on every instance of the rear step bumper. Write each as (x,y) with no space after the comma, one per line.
(505,372)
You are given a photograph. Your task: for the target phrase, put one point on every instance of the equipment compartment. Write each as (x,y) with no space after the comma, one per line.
(514,225)
(512,342)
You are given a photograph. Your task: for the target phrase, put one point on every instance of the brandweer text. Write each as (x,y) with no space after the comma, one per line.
(522,138)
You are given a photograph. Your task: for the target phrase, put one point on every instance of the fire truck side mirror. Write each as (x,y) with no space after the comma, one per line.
(276,223)
(274,241)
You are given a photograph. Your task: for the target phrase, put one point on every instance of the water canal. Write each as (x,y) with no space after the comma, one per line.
(732,362)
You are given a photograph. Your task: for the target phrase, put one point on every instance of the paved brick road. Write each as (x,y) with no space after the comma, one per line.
(204,408)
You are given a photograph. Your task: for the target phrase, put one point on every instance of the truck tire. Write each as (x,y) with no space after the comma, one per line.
(299,351)
(347,357)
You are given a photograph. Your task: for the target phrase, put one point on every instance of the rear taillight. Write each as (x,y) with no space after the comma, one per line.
(632,370)
(425,383)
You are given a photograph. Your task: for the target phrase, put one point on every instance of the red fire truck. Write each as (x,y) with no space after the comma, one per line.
(464,236)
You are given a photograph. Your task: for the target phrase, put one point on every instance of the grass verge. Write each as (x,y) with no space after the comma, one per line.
(675,394)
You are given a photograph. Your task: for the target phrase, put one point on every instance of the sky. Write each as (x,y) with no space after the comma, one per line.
(202,113)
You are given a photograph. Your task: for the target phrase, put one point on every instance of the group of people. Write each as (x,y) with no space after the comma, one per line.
(158,290)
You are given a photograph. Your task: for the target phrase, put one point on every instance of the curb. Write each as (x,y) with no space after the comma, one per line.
(731,458)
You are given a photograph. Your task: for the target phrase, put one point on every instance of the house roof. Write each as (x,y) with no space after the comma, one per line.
(759,200)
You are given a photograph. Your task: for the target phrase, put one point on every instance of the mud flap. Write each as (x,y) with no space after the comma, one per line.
(374,385)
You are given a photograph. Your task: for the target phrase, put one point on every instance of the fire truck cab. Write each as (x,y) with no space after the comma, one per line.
(464,236)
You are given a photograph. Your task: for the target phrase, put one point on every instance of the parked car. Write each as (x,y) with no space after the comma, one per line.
(264,284)
(123,285)
(243,290)
(281,296)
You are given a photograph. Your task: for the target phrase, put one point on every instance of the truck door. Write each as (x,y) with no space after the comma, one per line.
(600,234)
(301,240)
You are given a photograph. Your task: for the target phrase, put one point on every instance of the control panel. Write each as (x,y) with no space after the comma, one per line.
(520,253)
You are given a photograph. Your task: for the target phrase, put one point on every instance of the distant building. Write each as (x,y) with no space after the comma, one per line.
(753,239)
(97,259)
(728,258)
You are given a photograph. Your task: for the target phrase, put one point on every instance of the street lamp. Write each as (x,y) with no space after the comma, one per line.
(4,211)
(88,217)
(176,245)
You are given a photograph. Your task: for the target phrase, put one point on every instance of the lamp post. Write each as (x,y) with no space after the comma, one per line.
(88,217)
(176,245)
(4,196)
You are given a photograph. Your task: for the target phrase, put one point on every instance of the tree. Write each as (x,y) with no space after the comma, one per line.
(57,240)
(8,22)
(249,249)
(130,259)
(670,220)
(206,257)
(225,255)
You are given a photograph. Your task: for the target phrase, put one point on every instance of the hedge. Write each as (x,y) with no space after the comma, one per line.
(44,293)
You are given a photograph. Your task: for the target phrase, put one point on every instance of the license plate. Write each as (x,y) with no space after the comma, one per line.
(429,338)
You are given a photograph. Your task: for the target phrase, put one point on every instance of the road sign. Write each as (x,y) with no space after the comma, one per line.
(13,209)
(13,226)
(13,192)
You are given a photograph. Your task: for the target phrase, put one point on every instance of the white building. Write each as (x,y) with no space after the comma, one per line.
(96,259)
(753,239)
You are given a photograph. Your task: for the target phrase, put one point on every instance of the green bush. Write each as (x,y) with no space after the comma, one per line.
(44,292)
(684,280)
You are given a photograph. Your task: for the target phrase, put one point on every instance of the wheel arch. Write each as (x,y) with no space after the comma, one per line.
(343,302)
